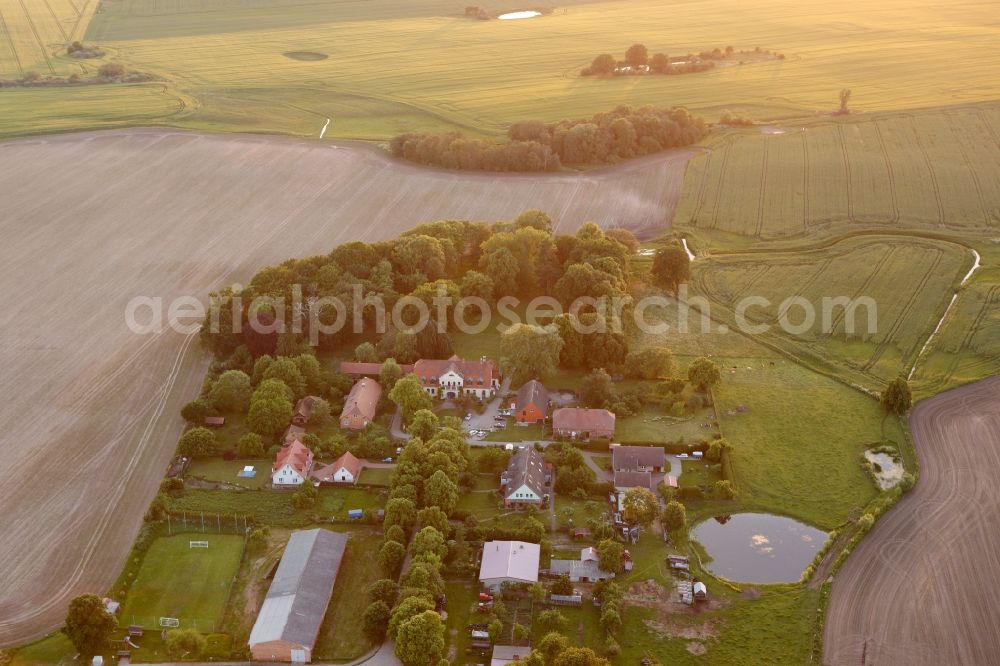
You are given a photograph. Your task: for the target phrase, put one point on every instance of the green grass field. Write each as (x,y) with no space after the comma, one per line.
(191,584)
(341,636)
(932,169)
(225,471)
(796,450)
(909,281)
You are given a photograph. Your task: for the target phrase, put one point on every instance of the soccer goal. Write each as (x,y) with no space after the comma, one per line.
(197,544)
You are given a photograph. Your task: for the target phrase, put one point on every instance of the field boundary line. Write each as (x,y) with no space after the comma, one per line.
(972,171)
(847,171)
(903,313)
(930,172)
(10,43)
(722,179)
(893,198)
(805,182)
(38,38)
(62,31)
(80,13)
(879,265)
(763,188)
(988,301)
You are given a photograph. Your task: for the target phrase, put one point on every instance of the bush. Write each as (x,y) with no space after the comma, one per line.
(198,443)
(184,643)
(110,70)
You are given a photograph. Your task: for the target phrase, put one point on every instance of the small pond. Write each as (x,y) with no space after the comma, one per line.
(513,16)
(759,547)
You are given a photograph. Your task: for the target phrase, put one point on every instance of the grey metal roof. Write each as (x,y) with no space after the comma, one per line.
(533,392)
(625,480)
(633,457)
(526,468)
(296,602)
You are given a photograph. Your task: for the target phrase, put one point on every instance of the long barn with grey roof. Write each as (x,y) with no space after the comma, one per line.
(290,617)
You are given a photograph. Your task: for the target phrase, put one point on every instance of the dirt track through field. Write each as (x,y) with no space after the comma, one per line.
(921,589)
(89,415)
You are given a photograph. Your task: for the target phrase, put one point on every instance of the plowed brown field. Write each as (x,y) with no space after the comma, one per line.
(921,589)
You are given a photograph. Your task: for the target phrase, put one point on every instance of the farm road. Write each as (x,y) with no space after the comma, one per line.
(92,220)
(921,588)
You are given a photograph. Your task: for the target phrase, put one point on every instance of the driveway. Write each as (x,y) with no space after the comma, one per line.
(485,420)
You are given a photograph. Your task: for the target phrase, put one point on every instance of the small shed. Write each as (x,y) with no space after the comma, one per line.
(700,591)
(356,514)
(215,421)
(581,534)
(134,630)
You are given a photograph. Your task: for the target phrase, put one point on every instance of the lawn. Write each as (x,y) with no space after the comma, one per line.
(341,636)
(376,476)
(796,449)
(461,597)
(699,473)
(265,506)
(336,502)
(226,471)
(190,584)
(481,504)
(652,424)
(575,512)
(535,432)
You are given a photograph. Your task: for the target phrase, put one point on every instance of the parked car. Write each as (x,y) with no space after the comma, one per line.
(387,460)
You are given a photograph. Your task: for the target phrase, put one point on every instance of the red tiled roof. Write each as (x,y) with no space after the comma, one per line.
(578,419)
(364,397)
(349,462)
(474,373)
(296,454)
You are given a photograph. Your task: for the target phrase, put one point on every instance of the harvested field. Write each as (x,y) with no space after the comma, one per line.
(920,588)
(109,216)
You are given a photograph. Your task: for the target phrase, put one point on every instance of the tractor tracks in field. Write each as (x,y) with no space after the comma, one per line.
(903,314)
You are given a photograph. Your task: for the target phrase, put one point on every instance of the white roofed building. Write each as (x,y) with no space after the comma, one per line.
(509,562)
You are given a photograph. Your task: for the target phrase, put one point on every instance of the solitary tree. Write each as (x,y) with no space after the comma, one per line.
(639,505)
(637,55)
(185,643)
(674,516)
(232,391)
(198,443)
(420,640)
(603,64)
(410,396)
(375,621)
(703,374)
(659,63)
(390,557)
(845,97)
(671,267)
(897,398)
(609,555)
(528,351)
(88,625)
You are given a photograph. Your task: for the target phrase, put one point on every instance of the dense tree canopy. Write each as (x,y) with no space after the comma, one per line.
(88,625)
(536,146)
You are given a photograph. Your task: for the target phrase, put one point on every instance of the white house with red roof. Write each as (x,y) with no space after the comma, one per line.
(345,469)
(455,377)
(292,465)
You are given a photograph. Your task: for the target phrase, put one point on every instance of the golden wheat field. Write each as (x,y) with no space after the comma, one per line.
(398,65)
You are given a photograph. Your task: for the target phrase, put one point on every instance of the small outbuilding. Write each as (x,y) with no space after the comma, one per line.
(345,469)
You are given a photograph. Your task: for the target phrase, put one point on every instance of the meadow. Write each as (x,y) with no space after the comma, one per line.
(395,66)
(190,584)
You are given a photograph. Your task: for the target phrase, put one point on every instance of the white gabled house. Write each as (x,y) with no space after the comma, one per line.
(292,465)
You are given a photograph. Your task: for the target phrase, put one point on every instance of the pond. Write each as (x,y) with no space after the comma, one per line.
(759,547)
(513,16)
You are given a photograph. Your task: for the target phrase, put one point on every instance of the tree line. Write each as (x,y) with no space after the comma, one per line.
(638,61)
(532,145)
